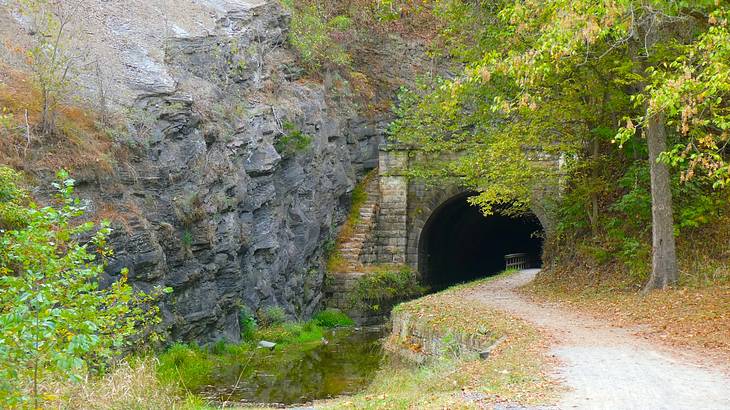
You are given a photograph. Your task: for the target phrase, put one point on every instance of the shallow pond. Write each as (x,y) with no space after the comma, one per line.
(345,364)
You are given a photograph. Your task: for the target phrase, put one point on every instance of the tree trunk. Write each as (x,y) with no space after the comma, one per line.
(664,271)
(595,171)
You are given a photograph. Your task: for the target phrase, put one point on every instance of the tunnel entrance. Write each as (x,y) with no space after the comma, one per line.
(458,243)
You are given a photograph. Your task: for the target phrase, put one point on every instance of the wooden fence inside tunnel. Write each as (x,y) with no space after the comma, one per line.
(458,243)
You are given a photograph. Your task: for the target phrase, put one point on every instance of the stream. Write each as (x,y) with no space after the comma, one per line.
(343,365)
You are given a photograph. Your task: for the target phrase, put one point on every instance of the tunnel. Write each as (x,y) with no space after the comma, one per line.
(459,243)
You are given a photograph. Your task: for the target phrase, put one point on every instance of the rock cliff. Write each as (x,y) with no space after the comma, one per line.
(236,169)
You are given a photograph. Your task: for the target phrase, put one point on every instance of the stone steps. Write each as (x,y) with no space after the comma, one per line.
(352,249)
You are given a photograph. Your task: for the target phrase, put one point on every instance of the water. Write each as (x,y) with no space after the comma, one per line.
(345,365)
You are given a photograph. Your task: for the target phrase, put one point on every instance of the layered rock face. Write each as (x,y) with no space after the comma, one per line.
(227,219)
(237,170)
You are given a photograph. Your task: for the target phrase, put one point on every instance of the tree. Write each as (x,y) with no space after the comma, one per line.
(51,58)
(55,319)
(691,92)
(539,66)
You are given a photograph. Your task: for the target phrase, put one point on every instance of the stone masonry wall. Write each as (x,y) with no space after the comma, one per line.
(392,231)
(417,341)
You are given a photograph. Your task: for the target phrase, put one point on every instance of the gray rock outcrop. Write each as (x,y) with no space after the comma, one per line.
(213,197)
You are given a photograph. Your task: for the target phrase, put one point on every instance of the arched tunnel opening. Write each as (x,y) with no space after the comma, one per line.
(459,243)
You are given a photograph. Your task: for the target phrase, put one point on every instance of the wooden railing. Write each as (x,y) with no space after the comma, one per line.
(516,261)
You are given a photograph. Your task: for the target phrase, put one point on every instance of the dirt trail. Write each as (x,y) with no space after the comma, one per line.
(606,367)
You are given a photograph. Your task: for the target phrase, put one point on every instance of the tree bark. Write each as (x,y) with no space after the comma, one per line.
(664,271)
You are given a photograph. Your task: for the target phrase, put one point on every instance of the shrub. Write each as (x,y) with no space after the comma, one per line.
(312,36)
(332,318)
(247,323)
(13,200)
(386,285)
(55,320)
(272,315)
(292,140)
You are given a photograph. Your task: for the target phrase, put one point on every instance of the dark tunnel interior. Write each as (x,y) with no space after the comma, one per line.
(459,244)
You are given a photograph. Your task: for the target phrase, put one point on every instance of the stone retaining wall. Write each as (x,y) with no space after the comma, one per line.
(418,341)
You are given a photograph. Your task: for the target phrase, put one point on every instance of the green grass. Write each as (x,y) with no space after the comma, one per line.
(185,365)
(331,318)
(292,333)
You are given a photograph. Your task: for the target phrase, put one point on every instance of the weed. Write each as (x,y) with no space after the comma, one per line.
(189,208)
(187,239)
(132,384)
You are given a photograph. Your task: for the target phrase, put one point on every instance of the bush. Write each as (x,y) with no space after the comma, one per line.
(55,321)
(13,200)
(312,36)
(247,323)
(332,318)
(292,140)
(386,286)
(271,316)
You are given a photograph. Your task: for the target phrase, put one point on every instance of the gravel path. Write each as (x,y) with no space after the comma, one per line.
(606,367)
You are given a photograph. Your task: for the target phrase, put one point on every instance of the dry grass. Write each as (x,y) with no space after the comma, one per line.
(128,386)
(516,372)
(78,145)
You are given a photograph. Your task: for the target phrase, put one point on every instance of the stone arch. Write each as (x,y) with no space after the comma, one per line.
(426,204)
(422,202)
